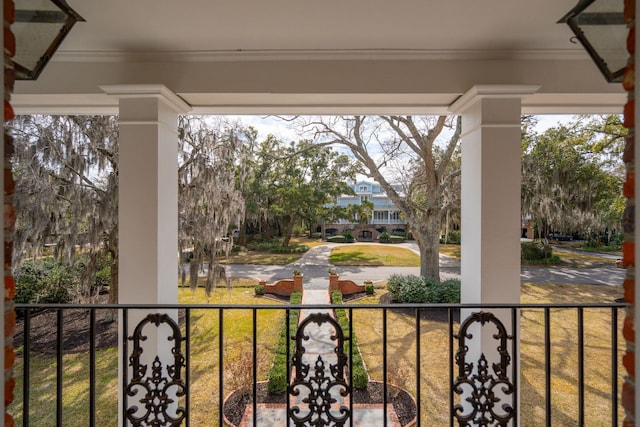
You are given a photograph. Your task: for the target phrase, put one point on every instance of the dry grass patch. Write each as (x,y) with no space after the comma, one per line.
(576,259)
(237,348)
(260,258)
(434,362)
(450,250)
(372,255)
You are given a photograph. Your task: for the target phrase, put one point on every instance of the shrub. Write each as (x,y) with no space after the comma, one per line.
(414,289)
(336,239)
(453,237)
(277,383)
(535,251)
(445,292)
(369,289)
(259,245)
(360,376)
(348,237)
(316,235)
(399,233)
(295,249)
(259,290)
(44,281)
(396,239)
(384,237)
(103,275)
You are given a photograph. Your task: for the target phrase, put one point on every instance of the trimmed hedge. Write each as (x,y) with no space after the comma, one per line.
(385,237)
(297,249)
(423,290)
(360,376)
(537,252)
(277,383)
(348,237)
(336,239)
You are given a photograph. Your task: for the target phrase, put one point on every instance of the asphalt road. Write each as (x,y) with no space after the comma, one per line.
(314,265)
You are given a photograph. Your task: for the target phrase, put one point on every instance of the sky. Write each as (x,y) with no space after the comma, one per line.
(272,125)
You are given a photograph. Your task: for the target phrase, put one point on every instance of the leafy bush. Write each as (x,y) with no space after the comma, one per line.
(259,290)
(295,249)
(535,251)
(44,281)
(277,378)
(299,230)
(603,243)
(360,376)
(399,233)
(452,238)
(385,237)
(348,237)
(260,245)
(445,292)
(103,279)
(103,274)
(396,239)
(415,289)
(336,239)
(369,289)
(316,235)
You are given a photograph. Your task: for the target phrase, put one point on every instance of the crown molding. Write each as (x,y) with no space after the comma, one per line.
(158,91)
(320,55)
(491,91)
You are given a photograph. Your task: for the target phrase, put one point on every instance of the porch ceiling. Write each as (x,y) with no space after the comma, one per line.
(368,56)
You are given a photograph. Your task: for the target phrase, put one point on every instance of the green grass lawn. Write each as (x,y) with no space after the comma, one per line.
(373,255)
(266,258)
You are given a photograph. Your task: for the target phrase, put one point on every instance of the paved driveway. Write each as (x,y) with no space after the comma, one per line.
(314,265)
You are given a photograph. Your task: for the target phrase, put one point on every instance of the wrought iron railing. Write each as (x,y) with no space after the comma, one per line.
(553,364)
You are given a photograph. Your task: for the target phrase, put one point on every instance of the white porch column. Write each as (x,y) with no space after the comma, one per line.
(148,211)
(148,193)
(491,192)
(491,177)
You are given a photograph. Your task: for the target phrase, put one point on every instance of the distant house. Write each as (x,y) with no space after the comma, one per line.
(385,216)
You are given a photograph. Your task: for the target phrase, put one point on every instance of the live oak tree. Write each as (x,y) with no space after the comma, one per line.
(212,172)
(298,180)
(402,146)
(66,171)
(571,176)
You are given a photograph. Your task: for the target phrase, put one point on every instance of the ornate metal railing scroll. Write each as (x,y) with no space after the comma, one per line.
(319,386)
(159,407)
(480,382)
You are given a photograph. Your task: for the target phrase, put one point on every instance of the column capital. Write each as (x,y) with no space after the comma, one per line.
(479,92)
(158,91)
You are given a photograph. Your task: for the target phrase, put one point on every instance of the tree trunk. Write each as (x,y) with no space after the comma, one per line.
(427,235)
(446,229)
(288,232)
(112,316)
(242,234)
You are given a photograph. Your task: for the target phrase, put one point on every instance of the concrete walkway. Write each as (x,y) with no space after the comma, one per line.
(315,264)
(319,344)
